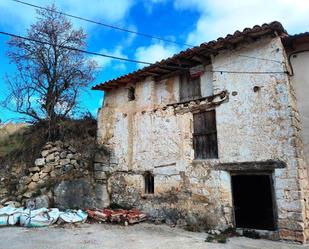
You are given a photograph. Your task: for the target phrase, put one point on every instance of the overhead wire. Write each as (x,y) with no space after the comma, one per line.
(132,60)
(151,36)
(104,24)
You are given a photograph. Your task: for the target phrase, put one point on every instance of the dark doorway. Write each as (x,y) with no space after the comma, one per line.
(253,201)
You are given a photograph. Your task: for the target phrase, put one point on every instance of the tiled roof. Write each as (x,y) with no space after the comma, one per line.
(194,56)
(290,40)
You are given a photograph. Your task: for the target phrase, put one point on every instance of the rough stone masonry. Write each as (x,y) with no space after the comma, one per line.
(257,129)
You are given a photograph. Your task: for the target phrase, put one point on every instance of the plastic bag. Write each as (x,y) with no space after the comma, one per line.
(10,215)
(73,216)
(40,217)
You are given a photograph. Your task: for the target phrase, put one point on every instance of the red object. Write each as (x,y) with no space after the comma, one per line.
(119,215)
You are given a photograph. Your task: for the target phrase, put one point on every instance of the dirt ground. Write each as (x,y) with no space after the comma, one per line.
(95,236)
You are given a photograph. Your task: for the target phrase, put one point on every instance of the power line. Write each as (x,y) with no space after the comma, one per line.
(104,24)
(135,61)
(74,49)
(127,30)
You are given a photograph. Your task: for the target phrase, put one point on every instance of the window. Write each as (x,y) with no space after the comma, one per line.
(131,93)
(149,183)
(189,87)
(205,135)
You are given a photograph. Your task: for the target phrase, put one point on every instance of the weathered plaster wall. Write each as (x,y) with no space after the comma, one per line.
(145,135)
(300,81)
(300,92)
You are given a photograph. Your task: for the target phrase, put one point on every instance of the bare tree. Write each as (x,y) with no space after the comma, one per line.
(49,77)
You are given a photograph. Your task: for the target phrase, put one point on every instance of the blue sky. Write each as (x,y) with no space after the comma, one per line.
(184,21)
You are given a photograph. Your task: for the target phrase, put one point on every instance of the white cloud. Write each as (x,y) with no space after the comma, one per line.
(155,52)
(99,10)
(104,62)
(220,17)
(151,3)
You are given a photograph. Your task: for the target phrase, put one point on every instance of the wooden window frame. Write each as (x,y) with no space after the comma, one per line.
(187,81)
(205,142)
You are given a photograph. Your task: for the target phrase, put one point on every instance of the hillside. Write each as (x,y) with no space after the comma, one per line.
(10,137)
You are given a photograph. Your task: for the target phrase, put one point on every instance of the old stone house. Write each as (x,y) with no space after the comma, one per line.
(212,137)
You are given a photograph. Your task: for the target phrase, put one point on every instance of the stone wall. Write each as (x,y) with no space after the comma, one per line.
(255,124)
(61,176)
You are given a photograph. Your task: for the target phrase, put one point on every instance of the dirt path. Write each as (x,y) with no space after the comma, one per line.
(140,236)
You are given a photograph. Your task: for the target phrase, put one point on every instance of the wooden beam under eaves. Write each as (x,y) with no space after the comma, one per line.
(206,60)
(185,62)
(169,75)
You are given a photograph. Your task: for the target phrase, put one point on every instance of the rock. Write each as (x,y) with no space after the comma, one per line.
(38,202)
(52,150)
(25,180)
(39,162)
(102,196)
(72,194)
(68,168)
(63,154)
(35,177)
(64,161)
(4,200)
(32,186)
(48,146)
(28,194)
(98,167)
(43,175)
(34,169)
(13,204)
(41,182)
(19,198)
(50,158)
(101,157)
(70,156)
(44,153)
(72,149)
(74,162)
(53,174)
(47,169)
(100,175)
(57,158)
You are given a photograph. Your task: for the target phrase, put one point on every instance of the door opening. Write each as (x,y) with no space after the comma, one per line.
(253,201)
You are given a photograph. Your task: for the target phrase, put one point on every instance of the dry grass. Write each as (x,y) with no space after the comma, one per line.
(24,144)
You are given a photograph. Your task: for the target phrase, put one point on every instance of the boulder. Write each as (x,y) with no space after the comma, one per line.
(74,194)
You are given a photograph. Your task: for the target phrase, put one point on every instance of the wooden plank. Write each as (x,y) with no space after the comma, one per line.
(205,135)
(190,88)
